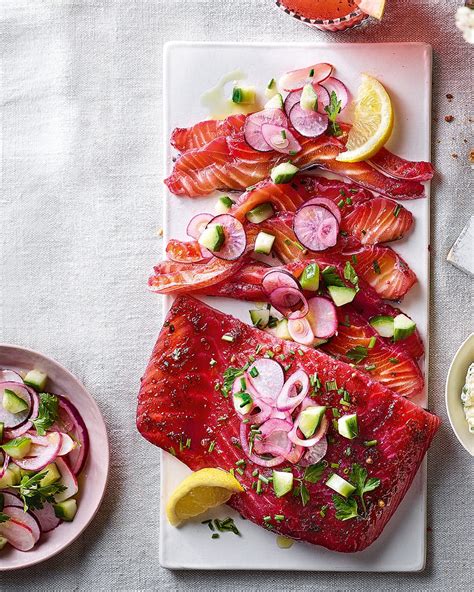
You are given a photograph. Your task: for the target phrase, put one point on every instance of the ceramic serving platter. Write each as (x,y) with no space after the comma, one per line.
(405,70)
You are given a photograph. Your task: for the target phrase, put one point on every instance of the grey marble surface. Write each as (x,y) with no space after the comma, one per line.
(79,212)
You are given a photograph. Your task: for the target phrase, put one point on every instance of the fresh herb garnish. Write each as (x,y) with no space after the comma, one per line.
(333,110)
(331,385)
(370,443)
(226,525)
(230,376)
(376,267)
(331,277)
(253,372)
(4,517)
(362,484)
(313,473)
(396,211)
(393,360)
(350,275)
(33,494)
(372,342)
(48,413)
(271,84)
(302,492)
(345,508)
(357,353)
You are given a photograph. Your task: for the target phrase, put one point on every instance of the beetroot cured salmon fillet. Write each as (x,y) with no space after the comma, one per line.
(180,400)
(399,168)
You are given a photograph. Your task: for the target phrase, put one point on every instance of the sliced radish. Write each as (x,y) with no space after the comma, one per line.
(295,455)
(68,480)
(15,420)
(307,443)
(291,100)
(280,139)
(316,453)
(263,462)
(315,227)
(300,330)
(10,499)
(67,445)
(296,79)
(10,376)
(274,279)
(235,237)
(273,437)
(253,127)
(322,317)
(290,397)
(289,300)
(44,451)
(335,85)
(25,518)
(17,534)
(294,97)
(197,224)
(269,380)
(12,433)
(70,420)
(310,124)
(328,204)
(47,518)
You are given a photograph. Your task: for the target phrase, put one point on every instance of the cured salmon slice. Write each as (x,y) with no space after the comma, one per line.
(181,400)
(395,166)
(187,138)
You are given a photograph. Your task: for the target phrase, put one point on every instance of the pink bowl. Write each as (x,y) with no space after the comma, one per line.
(94,475)
(349,21)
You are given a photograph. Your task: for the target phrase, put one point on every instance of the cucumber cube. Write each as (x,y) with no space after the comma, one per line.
(347,426)
(13,403)
(309,279)
(341,294)
(66,510)
(403,327)
(264,243)
(282,483)
(36,380)
(283,173)
(310,419)
(340,485)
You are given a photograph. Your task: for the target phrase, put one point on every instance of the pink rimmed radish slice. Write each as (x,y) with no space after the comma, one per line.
(315,227)
(269,378)
(25,518)
(307,443)
(70,420)
(15,420)
(322,317)
(294,391)
(280,139)
(274,279)
(10,376)
(67,445)
(294,98)
(316,453)
(309,124)
(300,329)
(263,462)
(46,517)
(19,430)
(197,224)
(335,85)
(328,204)
(68,480)
(11,499)
(289,300)
(44,450)
(253,127)
(295,454)
(273,437)
(296,79)
(235,240)
(17,534)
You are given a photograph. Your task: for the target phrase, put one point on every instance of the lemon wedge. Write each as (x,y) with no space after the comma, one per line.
(373,8)
(373,122)
(204,489)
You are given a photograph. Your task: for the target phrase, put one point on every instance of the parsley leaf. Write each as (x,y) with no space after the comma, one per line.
(350,274)
(345,508)
(357,353)
(33,494)
(363,485)
(304,493)
(333,110)
(48,413)
(4,517)
(331,277)
(313,473)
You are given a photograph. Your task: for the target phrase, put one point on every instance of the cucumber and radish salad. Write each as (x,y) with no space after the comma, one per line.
(43,448)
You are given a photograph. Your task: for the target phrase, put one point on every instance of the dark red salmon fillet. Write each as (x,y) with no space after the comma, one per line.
(187,138)
(180,398)
(394,166)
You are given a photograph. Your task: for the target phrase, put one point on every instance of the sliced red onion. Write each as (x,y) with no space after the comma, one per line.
(11,499)
(307,443)
(289,397)
(316,453)
(280,139)
(7,375)
(44,450)
(15,420)
(274,279)
(17,534)
(326,203)
(335,85)
(253,127)
(197,224)
(274,437)
(315,227)
(273,462)
(235,237)
(25,518)
(270,379)
(285,300)
(300,329)
(295,454)
(310,124)
(70,420)
(296,79)
(322,317)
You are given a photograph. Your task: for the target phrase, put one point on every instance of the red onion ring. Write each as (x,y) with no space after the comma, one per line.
(284,301)
(273,462)
(270,432)
(286,400)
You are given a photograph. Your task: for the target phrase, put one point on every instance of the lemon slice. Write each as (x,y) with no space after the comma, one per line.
(373,8)
(204,489)
(373,122)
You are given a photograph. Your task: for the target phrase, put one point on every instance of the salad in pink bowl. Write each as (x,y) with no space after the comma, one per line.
(53,457)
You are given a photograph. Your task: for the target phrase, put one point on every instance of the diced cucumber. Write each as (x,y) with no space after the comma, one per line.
(244,95)
(340,485)
(66,510)
(52,475)
(403,327)
(36,380)
(282,483)
(260,317)
(310,419)
(17,448)
(341,294)
(383,325)
(16,472)
(276,102)
(12,402)
(309,98)
(2,426)
(24,472)
(223,204)
(10,477)
(283,173)
(212,237)
(317,341)
(281,330)
(347,426)
(264,243)
(260,213)
(3,542)
(242,402)
(309,279)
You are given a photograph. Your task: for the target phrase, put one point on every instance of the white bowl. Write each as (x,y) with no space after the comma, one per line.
(454,383)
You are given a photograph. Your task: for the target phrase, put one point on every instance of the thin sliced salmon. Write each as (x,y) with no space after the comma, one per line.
(187,138)
(395,166)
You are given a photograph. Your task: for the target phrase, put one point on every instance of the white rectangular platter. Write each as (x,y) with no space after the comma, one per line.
(405,70)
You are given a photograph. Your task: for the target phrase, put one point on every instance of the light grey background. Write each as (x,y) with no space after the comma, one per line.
(79,213)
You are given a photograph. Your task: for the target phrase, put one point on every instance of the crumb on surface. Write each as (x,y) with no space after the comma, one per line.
(449,118)
(449,96)
(454,155)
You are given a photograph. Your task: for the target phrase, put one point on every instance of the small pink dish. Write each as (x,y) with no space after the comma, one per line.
(94,475)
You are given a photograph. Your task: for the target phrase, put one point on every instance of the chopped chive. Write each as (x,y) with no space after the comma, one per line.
(354,259)
(323,510)
(212,445)
(370,367)
(246,420)
(331,385)
(279,517)
(172,451)
(370,443)
(335,412)
(340,203)
(334,424)
(258,348)
(259,487)
(253,372)
(342,192)
(346,396)
(281,357)
(240,471)
(396,211)
(240,462)
(269,354)
(215,536)
(267,518)
(188,443)
(348,451)
(393,360)
(376,267)
(263,479)
(301,352)
(228,337)
(212,362)
(271,84)
(181,446)
(299,246)
(292,152)
(232,472)
(283,134)
(222,418)
(243,384)
(286,470)
(334,465)
(344,403)
(372,342)
(287,367)
(349,201)
(255,473)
